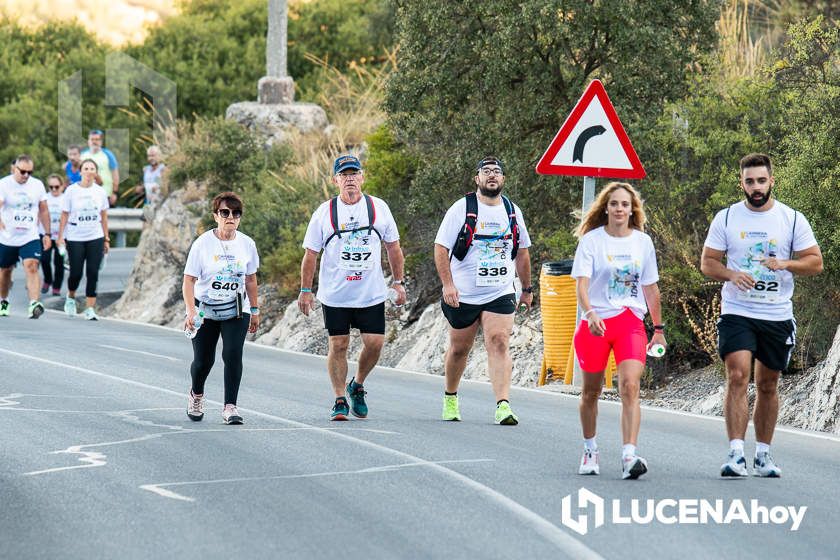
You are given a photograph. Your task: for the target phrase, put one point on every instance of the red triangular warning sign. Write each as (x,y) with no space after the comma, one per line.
(592,142)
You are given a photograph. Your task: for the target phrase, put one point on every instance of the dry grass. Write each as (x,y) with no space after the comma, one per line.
(745,37)
(353,103)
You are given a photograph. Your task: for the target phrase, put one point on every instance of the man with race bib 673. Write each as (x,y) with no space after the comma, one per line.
(479,248)
(23,203)
(765,244)
(350,229)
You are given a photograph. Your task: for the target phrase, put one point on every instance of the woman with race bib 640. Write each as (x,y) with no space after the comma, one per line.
(220,282)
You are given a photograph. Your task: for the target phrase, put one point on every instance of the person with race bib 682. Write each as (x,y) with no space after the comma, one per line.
(481,245)
(83,230)
(220,285)
(765,244)
(350,229)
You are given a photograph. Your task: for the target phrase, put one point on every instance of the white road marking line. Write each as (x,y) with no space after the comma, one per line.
(548,530)
(784,429)
(121,349)
(161,488)
(98,459)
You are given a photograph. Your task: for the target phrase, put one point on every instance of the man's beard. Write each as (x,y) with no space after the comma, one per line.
(758,201)
(490,192)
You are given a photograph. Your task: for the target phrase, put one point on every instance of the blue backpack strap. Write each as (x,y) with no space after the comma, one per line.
(514,228)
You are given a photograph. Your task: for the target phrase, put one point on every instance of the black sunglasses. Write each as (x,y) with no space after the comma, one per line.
(55,187)
(225,213)
(25,171)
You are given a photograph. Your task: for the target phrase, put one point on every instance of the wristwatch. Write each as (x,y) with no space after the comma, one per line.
(660,328)
(398,282)
(528,290)
(255,311)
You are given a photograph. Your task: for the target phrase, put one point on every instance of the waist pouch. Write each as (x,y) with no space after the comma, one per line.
(222,311)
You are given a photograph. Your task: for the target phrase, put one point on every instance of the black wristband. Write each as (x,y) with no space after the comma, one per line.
(528,290)
(659,328)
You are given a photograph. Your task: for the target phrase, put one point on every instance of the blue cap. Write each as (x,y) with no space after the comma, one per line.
(342,163)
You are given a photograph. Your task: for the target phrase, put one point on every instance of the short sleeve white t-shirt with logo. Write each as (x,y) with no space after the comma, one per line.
(350,273)
(748,237)
(617,268)
(54,207)
(84,206)
(20,210)
(487,271)
(221,266)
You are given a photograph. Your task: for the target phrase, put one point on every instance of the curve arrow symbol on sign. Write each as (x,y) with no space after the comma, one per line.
(580,143)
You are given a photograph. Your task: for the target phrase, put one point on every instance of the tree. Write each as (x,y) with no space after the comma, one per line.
(478,77)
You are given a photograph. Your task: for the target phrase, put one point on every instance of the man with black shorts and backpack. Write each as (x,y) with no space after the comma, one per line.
(350,228)
(765,243)
(480,246)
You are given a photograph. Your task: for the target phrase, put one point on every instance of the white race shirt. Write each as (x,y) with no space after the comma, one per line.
(350,274)
(749,238)
(84,206)
(487,272)
(20,210)
(221,267)
(617,268)
(54,206)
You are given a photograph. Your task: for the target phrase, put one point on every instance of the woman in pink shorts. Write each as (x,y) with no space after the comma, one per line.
(616,273)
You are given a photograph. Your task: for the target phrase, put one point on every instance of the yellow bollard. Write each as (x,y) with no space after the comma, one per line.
(558,304)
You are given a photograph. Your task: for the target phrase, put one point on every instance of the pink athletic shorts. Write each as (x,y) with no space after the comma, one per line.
(625,336)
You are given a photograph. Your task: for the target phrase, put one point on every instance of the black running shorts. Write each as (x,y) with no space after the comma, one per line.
(771,342)
(466,314)
(339,320)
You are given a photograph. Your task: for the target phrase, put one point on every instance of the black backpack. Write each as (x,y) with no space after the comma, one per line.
(467,233)
(371,212)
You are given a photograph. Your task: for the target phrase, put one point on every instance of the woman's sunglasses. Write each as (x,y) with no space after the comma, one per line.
(225,213)
(55,187)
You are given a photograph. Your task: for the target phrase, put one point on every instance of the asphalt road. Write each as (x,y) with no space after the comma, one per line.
(100,461)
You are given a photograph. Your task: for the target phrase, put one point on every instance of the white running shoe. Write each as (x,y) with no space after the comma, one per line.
(90,314)
(589,463)
(70,307)
(230,415)
(632,467)
(735,465)
(195,407)
(764,466)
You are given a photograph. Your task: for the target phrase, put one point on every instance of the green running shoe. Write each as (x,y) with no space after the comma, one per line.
(4,308)
(450,408)
(340,410)
(356,393)
(505,416)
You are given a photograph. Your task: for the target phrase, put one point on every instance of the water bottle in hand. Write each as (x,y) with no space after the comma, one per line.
(656,351)
(62,250)
(392,297)
(198,320)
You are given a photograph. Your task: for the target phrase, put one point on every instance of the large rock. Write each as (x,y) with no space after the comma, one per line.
(273,123)
(153,291)
(813,402)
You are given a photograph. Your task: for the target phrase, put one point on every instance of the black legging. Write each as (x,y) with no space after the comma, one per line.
(233,333)
(48,258)
(81,253)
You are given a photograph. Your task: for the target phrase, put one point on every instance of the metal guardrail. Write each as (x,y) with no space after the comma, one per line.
(122,220)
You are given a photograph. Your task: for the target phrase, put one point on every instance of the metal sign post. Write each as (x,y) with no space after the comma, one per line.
(588,199)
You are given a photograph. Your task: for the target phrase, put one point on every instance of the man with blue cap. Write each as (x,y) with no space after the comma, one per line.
(350,229)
